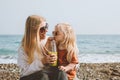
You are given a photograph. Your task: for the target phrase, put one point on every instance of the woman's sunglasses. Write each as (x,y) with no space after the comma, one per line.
(44,28)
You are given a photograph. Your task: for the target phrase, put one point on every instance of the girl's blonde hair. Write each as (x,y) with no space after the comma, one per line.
(69,39)
(31,38)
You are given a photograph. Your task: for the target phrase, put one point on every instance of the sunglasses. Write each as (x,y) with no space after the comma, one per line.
(55,33)
(44,28)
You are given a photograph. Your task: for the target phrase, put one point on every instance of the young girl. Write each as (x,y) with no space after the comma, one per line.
(67,49)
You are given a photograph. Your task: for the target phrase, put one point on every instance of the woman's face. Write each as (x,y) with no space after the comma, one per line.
(43,30)
(59,35)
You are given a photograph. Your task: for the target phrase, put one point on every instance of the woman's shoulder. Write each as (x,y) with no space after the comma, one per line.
(21,51)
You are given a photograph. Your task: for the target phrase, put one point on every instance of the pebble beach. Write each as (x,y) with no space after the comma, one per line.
(86,71)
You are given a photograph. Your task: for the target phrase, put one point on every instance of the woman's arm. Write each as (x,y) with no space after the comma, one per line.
(26,68)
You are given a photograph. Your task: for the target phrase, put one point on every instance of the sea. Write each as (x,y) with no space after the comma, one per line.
(92,48)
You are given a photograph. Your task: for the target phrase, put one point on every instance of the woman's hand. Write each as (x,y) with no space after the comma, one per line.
(53,58)
(49,59)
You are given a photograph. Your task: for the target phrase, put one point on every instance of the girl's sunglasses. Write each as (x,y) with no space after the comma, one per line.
(55,33)
(44,28)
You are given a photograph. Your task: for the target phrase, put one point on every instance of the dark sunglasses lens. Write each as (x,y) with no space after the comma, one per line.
(44,28)
(54,33)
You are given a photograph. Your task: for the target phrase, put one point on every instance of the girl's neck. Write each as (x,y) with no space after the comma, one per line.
(61,47)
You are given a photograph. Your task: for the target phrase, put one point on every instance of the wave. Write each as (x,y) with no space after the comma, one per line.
(8,56)
(18,42)
(8,59)
(99,58)
(83,58)
(4,51)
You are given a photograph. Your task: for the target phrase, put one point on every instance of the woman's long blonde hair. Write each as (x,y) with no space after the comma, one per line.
(31,37)
(69,39)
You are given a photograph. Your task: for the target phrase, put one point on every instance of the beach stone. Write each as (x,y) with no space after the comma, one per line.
(85,71)
(99,71)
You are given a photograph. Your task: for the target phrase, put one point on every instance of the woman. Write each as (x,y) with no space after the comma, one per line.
(32,57)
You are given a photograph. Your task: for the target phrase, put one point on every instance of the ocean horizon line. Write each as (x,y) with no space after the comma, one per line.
(76,34)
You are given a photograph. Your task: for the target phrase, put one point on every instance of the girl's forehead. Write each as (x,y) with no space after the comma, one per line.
(57,28)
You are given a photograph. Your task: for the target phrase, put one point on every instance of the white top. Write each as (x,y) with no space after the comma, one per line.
(26,68)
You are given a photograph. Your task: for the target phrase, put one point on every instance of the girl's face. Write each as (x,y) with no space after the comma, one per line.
(59,35)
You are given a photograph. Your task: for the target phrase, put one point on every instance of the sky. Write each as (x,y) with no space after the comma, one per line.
(85,16)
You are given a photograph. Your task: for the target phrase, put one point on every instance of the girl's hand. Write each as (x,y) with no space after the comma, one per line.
(67,68)
(63,68)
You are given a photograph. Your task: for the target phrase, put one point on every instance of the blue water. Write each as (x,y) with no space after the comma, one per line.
(9,44)
(87,44)
(99,44)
